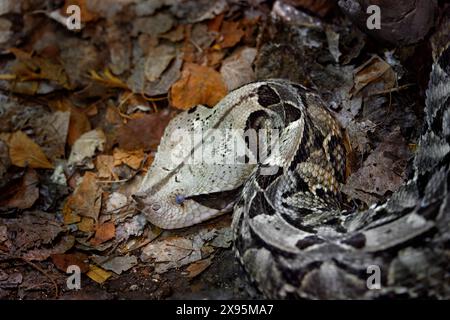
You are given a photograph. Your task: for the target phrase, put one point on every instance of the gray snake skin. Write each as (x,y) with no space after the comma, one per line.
(290,234)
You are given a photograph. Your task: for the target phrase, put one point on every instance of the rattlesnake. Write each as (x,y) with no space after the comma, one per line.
(290,233)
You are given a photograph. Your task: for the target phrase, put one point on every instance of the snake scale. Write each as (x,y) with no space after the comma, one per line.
(290,233)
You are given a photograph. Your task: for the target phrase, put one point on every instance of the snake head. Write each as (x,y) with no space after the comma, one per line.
(172,211)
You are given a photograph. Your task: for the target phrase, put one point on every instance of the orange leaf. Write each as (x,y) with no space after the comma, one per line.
(132,159)
(25,152)
(232,33)
(86,199)
(198,267)
(104,232)
(197,85)
(63,260)
(79,124)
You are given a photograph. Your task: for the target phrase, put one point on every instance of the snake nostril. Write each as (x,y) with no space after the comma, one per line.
(156,207)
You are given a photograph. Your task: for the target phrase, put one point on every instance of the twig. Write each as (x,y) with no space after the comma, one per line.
(44,273)
(392,90)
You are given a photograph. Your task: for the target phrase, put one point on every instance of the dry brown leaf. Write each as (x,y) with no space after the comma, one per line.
(215,23)
(198,267)
(105,165)
(374,75)
(69,215)
(63,261)
(21,194)
(43,253)
(215,57)
(133,159)
(105,232)
(86,224)
(175,35)
(143,133)
(25,152)
(197,85)
(86,199)
(232,33)
(382,171)
(32,229)
(79,124)
(28,68)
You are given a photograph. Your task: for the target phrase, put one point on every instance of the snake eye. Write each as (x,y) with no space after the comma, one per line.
(156,207)
(179,199)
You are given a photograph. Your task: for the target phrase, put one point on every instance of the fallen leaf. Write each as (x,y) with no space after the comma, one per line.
(215,23)
(197,267)
(79,124)
(53,130)
(154,25)
(63,260)
(9,281)
(382,172)
(158,60)
(86,199)
(133,159)
(375,72)
(22,193)
(86,145)
(104,232)
(86,224)
(29,67)
(25,152)
(143,133)
(197,85)
(115,202)
(358,133)
(177,34)
(135,227)
(167,79)
(98,274)
(232,33)
(69,216)
(31,230)
(105,166)
(215,57)
(171,253)
(237,69)
(41,254)
(120,264)
(223,239)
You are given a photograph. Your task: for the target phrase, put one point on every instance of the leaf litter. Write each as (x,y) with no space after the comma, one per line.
(91,108)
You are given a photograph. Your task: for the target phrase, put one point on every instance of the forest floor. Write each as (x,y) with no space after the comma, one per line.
(82,112)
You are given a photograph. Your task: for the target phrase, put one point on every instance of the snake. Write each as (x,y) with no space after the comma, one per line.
(272,153)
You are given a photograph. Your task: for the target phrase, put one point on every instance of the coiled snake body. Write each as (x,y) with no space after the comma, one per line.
(289,232)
